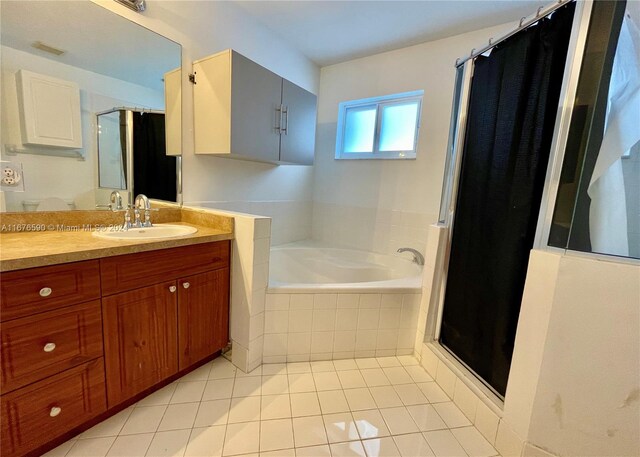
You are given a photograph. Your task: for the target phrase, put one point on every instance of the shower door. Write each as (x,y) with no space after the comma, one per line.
(513,100)
(132,155)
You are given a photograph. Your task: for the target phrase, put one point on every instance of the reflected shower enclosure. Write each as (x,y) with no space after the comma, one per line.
(132,154)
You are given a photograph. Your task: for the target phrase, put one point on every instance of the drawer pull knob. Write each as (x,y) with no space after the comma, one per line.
(185,285)
(55,411)
(49,347)
(45,291)
(172,289)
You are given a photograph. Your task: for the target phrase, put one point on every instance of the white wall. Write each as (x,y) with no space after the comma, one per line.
(65,178)
(587,401)
(400,198)
(574,384)
(204,28)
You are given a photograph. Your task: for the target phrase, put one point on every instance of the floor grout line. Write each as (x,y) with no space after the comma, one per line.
(302,368)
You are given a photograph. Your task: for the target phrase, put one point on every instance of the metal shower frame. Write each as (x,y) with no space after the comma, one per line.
(465,68)
(129,149)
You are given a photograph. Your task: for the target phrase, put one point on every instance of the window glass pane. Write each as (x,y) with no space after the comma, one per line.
(398,128)
(598,200)
(360,126)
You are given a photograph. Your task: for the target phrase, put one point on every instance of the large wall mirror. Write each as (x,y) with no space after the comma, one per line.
(91,103)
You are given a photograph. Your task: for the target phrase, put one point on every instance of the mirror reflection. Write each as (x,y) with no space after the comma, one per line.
(90,104)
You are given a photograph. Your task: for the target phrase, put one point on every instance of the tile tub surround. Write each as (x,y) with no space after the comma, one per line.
(249,278)
(286,410)
(324,326)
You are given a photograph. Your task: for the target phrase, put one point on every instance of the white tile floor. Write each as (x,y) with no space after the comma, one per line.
(365,407)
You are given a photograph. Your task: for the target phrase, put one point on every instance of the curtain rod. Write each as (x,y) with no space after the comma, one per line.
(523,24)
(125,108)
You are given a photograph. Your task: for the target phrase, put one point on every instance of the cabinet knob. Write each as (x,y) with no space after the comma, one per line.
(55,411)
(185,285)
(45,291)
(49,347)
(172,289)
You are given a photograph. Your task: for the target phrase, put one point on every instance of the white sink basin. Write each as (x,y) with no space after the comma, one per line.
(158,231)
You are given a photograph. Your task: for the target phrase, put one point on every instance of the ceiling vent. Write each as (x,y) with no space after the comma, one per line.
(46,48)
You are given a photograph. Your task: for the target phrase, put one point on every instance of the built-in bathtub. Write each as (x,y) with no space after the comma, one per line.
(327,303)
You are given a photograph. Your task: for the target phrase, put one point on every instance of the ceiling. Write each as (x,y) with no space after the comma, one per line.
(327,32)
(333,31)
(94,39)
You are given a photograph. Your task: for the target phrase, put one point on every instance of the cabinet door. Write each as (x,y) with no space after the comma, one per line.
(299,136)
(203,315)
(255,98)
(50,110)
(36,414)
(39,346)
(173,111)
(140,341)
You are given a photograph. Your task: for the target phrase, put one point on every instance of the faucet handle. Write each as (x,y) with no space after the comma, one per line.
(147,216)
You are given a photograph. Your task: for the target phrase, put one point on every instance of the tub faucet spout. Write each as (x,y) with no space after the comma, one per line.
(417,257)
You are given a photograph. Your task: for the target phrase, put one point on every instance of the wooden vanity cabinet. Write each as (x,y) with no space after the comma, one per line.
(69,358)
(203,316)
(42,345)
(34,415)
(153,332)
(139,339)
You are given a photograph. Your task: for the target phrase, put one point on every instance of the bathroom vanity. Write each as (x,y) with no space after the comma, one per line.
(82,340)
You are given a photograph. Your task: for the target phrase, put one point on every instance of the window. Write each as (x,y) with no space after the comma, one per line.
(379,127)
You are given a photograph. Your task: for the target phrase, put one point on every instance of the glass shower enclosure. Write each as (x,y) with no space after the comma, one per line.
(473,326)
(132,155)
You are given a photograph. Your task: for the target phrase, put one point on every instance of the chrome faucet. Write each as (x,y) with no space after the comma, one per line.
(142,203)
(417,257)
(115,202)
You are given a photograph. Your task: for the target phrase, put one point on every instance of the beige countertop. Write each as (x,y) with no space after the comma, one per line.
(20,250)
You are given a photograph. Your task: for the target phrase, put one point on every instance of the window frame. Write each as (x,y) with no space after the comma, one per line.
(379,103)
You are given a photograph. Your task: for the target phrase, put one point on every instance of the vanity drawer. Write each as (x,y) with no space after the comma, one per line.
(39,346)
(132,271)
(36,414)
(26,292)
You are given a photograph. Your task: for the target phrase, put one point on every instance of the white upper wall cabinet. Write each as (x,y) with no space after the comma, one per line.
(244,111)
(297,143)
(173,112)
(50,111)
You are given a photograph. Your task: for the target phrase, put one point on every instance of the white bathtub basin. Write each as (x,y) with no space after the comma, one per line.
(306,266)
(157,232)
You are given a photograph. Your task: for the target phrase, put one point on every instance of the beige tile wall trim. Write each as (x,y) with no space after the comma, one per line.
(534,451)
(461,373)
(480,406)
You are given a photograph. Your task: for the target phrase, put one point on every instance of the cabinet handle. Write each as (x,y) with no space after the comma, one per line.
(49,347)
(172,289)
(279,117)
(45,291)
(285,111)
(185,285)
(55,411)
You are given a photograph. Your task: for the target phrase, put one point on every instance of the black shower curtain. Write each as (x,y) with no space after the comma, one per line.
(154,173)
(511,116)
